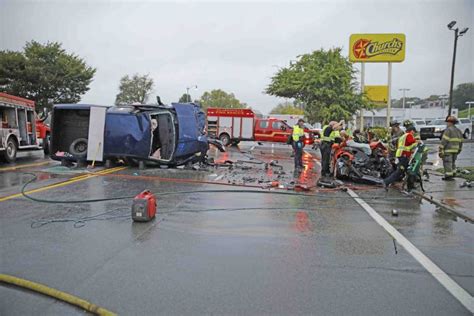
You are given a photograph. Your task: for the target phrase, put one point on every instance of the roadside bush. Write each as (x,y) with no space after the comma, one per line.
(380,132)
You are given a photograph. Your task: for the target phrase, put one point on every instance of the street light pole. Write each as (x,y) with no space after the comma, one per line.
(188,96)
(452,71)
(404,90)
(457,34)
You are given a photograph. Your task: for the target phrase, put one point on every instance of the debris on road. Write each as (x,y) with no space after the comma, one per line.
(466,184)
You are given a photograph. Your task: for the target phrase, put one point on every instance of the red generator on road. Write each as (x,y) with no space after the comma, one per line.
(144,207)
(20,128)
(234,125)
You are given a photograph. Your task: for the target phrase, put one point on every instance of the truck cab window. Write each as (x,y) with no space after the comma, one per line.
(263,124)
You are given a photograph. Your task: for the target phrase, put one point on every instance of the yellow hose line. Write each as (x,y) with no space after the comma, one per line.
(65,297)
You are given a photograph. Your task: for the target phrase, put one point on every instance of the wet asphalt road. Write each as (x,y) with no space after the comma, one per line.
(227,252)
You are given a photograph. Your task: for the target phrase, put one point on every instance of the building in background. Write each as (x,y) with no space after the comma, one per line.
(425,111)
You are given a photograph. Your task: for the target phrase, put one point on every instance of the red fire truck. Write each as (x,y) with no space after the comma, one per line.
(20,127)
(233,125)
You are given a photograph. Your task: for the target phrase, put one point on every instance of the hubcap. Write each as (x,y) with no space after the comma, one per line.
(81,147)
(10,150)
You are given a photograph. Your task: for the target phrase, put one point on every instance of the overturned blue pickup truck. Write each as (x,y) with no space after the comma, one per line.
(152,134)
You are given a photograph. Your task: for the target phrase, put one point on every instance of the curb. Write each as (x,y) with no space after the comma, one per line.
(430,199)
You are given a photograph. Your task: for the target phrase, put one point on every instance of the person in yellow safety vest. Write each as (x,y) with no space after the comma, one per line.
(328,137)
(395,133)
(298,143)
(451,146)
(405,147)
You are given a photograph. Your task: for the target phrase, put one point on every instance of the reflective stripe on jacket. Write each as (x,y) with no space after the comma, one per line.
(451,142)
(402,147)
(297,133)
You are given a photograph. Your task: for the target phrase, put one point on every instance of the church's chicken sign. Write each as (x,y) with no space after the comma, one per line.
(377,48)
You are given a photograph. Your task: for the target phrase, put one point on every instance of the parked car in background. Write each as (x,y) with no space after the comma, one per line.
(437,127)
(433,130)
(465,125)
(419,124)
(158,134)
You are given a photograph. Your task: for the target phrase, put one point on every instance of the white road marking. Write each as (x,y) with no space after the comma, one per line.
(449,284)
(219,177)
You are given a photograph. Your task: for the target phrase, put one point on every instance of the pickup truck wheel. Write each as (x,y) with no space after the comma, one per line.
(225,139)
(467,134)
(78,148)
(46,144)
(9,154)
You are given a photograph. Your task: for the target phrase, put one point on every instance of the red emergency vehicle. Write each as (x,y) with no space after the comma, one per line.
(233,125)
(20,127)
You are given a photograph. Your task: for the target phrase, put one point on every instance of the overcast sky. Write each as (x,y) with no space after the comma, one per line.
(237,46)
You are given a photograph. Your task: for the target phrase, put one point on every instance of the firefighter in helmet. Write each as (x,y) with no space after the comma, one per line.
(450,147)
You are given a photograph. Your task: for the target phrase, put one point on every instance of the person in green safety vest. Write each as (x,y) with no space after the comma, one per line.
(450,147)
(328,137)
(405,147)
(298,143)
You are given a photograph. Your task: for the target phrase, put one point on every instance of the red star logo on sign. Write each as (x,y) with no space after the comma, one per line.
(359,48)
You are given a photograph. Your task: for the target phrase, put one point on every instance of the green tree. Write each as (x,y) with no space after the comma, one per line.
(185,98)
(324,81)
(287,108)
(46,74)
(220,99)
(464,92)
(135,89)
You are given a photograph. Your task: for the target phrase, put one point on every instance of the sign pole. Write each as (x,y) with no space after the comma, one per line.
(362,84)
(389,101)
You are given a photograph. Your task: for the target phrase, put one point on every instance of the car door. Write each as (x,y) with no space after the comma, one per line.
(280,131)
(262,130)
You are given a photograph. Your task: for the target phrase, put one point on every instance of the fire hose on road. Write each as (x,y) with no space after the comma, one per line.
(59,295)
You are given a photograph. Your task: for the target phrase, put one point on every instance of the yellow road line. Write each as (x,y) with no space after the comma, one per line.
(67,182)
(25,166)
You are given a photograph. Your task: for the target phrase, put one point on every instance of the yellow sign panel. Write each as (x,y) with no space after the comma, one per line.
(369,48)
(376,93)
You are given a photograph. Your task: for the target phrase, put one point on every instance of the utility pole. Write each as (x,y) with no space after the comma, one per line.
(362,85)
(457,34)
(389,101)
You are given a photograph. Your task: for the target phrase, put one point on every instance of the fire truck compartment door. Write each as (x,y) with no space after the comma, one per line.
(247,127)
(236,125)
(225,125)
(95,143)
